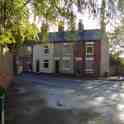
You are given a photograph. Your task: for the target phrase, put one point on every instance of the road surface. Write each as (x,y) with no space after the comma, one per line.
(55,100)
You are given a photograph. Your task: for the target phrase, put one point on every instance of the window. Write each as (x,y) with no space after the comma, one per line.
(67,49)
(89,50)
(46,63)
(89,67)
(66,64)
(46,50)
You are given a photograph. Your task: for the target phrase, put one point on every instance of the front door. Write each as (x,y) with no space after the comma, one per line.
(37,66)
(89,58)
(57,66)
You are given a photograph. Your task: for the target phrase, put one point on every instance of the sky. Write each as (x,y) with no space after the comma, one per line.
(89,21)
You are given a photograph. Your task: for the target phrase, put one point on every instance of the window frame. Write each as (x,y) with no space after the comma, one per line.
(67,49)
(66,64)
(46,48)
(45,62)
(87,46)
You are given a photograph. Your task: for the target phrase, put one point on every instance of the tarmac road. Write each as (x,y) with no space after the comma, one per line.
(43,99)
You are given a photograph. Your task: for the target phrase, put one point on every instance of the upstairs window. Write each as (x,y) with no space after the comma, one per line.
(46,63)
(67,49)
(89,49)
(46,49)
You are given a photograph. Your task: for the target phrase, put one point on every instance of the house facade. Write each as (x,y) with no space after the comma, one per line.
(63,58)
(24,56)
(82,53)
(12,61)
(43,59)
(87,58)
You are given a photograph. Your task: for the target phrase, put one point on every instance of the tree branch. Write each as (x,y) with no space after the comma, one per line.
(28,1)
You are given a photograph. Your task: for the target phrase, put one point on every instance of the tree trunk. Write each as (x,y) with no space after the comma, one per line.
(14,52)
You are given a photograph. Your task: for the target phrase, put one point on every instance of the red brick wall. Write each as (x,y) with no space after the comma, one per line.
(79,53)
(78,50)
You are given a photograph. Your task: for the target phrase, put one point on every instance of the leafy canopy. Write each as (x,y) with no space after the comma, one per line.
(14,15)
(14,24)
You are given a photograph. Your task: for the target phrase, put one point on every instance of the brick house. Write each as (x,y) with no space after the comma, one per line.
(80,53)
(88,54)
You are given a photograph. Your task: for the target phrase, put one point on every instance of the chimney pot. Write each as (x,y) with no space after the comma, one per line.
(80,25)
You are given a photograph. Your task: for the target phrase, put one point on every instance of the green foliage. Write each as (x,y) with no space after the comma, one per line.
(116,38)
(116,60)
(20,33)
(14,14)
(6,38)
(72,36)
(14,25)
(3,92)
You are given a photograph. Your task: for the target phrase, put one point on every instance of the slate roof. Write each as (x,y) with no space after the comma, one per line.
(65,36)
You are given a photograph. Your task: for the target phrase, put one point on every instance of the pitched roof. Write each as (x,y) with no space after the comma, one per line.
(66,36)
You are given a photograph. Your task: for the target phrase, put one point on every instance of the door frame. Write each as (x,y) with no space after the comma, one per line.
(57,66)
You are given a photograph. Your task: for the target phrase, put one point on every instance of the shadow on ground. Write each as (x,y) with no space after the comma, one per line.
(92,102)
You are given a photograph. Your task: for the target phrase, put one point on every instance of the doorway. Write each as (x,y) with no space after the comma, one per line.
(57,66)
(37,66)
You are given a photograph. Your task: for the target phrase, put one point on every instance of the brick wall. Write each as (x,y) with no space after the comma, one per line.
(79,58)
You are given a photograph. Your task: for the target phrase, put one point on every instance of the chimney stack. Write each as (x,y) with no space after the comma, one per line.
(80,25)
(61,26)
(44,27)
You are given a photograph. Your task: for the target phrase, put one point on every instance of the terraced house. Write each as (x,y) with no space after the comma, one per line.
(81,53)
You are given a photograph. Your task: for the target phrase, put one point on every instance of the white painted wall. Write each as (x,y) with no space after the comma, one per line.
(38,54)
(104,66)
(63,54)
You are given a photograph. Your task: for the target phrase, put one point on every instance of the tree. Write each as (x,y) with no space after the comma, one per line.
(116,38)
(15,28)
(14,13)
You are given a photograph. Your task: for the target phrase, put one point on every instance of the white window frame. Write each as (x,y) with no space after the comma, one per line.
(65,66)
(87,45)
(44,62)
(89,71)
(66,46)
(46,48)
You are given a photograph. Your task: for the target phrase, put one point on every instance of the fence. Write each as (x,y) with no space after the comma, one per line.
(6,65)
(2,105)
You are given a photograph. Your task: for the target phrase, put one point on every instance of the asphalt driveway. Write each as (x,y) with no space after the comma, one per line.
(53,100)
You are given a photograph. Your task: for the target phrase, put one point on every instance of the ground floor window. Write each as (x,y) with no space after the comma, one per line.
(89,71)
(89,66)
(45,63)
(66,64)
